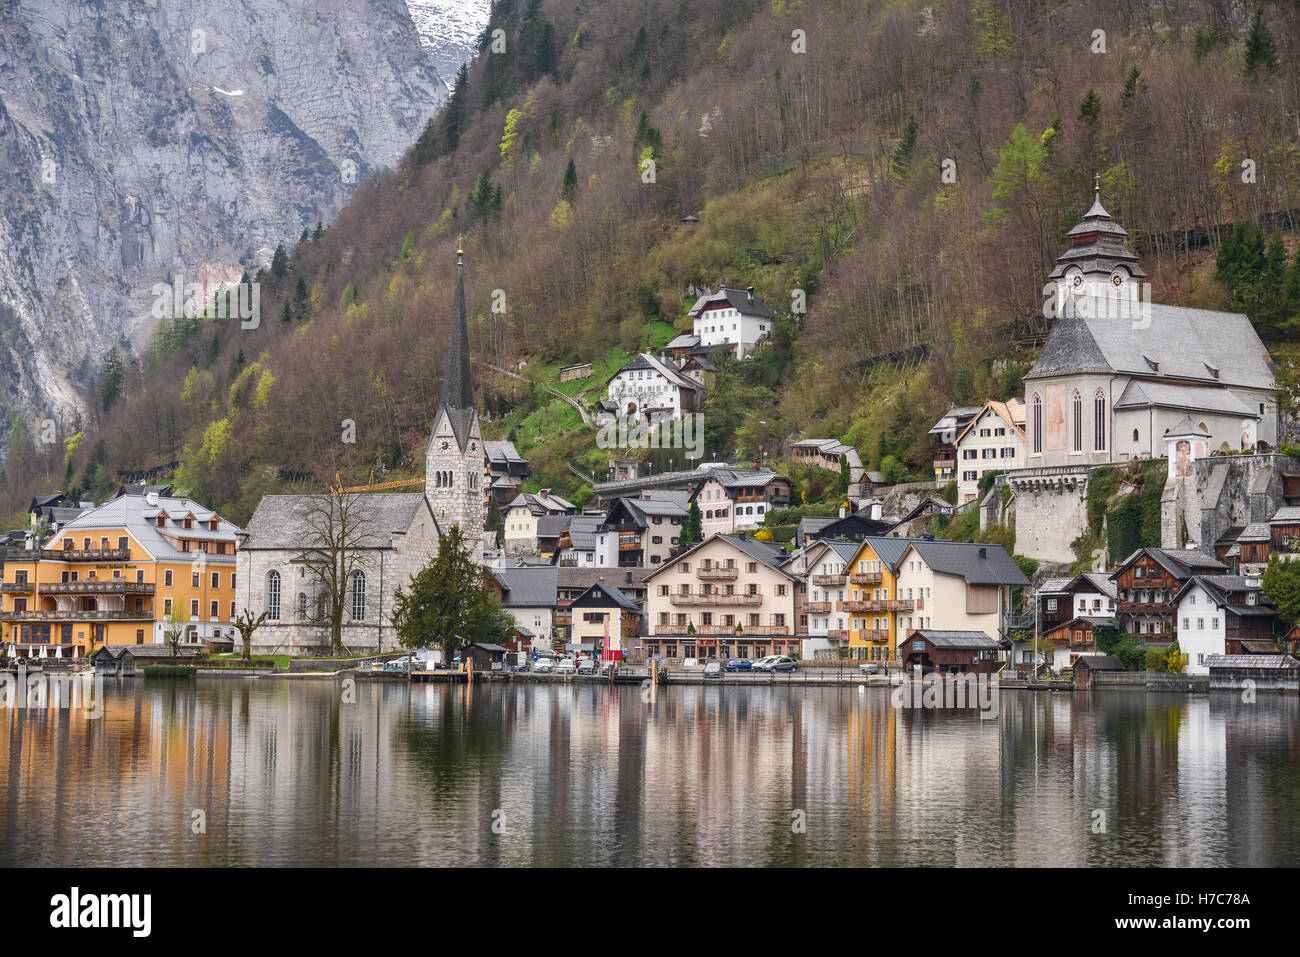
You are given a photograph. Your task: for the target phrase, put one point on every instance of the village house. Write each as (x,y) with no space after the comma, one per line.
(506,469)
(1108,387)
(945,433)
(829,454)
(577,543)
(954,586)
(725,597)
(522,515)
(640,532)
(382,539)
(530,594)
(994,440)
(647,389)
(1063,645)
(732,317)
(127,572)
(1147,582)
(825,573)
(734,499)
(1245,548)
(1223,615)
(1086,594)
(605,623)
(1284,531)
(873,598)
(952,652)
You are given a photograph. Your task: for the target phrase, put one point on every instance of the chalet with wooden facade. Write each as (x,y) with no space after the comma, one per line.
(1147,583)
(1223,615)
(952,652)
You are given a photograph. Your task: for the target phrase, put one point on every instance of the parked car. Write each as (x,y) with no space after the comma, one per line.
(871,667)
(782,663)
(587,666)
(544,666)
(713,670)
(566,667)
(740,664)
(762,663)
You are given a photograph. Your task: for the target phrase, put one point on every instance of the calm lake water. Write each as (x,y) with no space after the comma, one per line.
(285,773)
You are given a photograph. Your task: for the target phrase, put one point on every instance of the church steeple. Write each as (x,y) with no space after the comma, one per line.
(1098,252)
(457,386)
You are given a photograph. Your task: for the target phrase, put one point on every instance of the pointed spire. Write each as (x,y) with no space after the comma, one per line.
(457,386)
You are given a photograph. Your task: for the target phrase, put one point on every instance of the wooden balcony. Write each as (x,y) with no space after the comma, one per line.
(698,599)
(90,586)
(865,578)
(835,580)
(880,604)
(86,554)
(1145,608)
(819,607)
(838,634)
(874,634)
(20,587)
(717,573)
(78,615)
(670,630)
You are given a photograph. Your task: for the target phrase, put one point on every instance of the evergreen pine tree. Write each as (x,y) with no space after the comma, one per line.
(280,262)
(1261,48)
(112,379)
(902,157)
(570,182)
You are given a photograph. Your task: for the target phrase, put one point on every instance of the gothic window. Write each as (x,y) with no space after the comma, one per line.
(1099,421)
(358,596)
(273,595)
(1036,423)
(300,607)
(1076,421)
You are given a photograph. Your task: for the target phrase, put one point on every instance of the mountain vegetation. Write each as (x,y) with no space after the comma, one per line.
(905,170)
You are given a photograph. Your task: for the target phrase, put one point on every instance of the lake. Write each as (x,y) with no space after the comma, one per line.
(227,772)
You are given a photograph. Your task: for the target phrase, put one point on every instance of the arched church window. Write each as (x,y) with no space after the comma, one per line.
(273,595)
(1036,423)
(1076,421)
(300,606)
(358,596)
(1099,421)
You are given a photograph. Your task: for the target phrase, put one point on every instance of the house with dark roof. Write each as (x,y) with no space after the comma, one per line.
(725,597)
(854,528)
(945,433)
(531,595)
(829,454)
(648,389)
(506,468)
(605,620)
(576,547)
(1119,372)
(953,586)
(1223,615)
(732,499)
(522,518)
(953,652)
(639,532)
(1245,548)
(1146,583)
(735,318)
(992,441)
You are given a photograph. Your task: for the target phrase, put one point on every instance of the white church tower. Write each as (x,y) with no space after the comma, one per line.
(454,463)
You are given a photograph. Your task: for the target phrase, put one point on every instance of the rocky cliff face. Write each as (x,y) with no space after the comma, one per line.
(448,31)
(146,140)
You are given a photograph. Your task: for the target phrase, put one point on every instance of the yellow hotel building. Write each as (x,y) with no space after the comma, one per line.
(873,601)
(118,574)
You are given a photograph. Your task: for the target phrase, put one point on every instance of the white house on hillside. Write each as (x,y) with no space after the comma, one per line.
(732,316)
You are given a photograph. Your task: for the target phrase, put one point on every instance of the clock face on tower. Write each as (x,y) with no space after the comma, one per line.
(444,446)
(473,446)
(1118,277)
(1075,278)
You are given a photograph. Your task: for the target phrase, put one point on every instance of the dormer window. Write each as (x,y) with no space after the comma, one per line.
(1212,370)
(1155,366)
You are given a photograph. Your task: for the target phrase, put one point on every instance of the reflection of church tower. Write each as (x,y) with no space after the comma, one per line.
(453,476)
(1098,256)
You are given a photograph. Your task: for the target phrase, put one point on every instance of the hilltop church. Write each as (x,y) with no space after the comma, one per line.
(395,533)
(1112,388)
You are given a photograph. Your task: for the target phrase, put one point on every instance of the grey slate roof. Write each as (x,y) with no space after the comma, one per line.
(1255,532)
(582,531)
(1054,586)
(1270,662)
(550,526)
(603,594)
(737,299)
(531,587)
(1185,344)
(1169,395)
(1286,515)
(135,514)
(995,567)
(1101,582)
(962,640)
(1099,663)
(502,453)
(457,384)
(284,521)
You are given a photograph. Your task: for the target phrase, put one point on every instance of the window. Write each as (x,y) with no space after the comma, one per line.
(300,607)
(212,611)
(194,608)
(167,578)
(1076,420)
(122,543)
(216,579)
(273,595)
(194,579)
(358,596)
(1099,422)
(1036,423)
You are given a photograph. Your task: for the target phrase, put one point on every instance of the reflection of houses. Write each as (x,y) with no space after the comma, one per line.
(952,652)
(1108,389)
(725,596)
(994,440)
(1223,615)
(734,499)
(1147,582)
(829,454)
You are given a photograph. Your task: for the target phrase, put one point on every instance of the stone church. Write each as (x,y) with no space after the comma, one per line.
(1118,371)
(389,536)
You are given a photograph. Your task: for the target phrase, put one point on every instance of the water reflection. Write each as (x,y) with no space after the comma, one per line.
(584,774)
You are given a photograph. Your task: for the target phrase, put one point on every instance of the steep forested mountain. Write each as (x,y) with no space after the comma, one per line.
(909,167)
